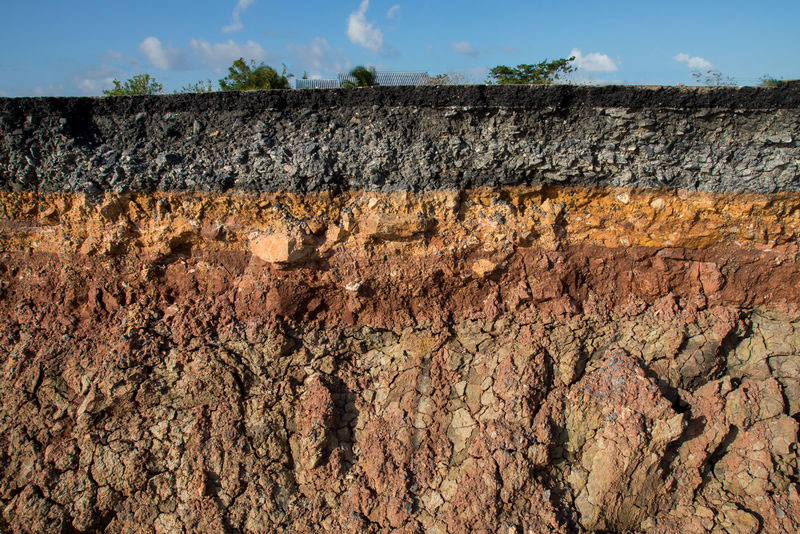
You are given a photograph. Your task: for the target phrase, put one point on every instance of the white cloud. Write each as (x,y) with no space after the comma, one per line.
(216,56)
(361,32)
(393,11)
(93,86)
(221,55)
(694,63)
(3,93)
(593,62)
(236,24)
(111,55)
(319,57)
(92,81)
(161,57)
(463,47)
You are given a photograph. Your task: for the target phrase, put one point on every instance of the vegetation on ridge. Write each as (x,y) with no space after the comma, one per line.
(365,77)
(244,77)
(542,73)
(141,84)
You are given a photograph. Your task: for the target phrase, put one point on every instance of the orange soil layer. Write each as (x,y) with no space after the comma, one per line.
(389,259)
(404,223)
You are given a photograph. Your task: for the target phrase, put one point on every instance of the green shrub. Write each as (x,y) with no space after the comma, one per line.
(542,73)
(141,84)
(244,77)
(365,77)
(198,87)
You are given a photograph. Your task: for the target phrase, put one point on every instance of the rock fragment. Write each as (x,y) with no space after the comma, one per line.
(282,248)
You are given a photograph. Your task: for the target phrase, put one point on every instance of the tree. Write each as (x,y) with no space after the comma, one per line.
(244,77)
(365,77)
(141,84)
(542,73)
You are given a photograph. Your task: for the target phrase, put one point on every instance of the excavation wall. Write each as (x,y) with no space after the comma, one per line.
(439,310)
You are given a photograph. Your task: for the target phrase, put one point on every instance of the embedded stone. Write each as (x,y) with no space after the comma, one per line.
(281,247)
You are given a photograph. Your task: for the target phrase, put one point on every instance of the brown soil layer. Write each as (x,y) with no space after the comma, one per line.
(558,360)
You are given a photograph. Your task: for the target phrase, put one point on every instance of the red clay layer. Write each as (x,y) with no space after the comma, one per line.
(394,292)
(208,389)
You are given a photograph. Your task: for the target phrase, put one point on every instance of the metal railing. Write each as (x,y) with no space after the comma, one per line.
(381,78)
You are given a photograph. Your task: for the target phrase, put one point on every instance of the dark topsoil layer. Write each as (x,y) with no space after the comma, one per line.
(785,96)
(407,138)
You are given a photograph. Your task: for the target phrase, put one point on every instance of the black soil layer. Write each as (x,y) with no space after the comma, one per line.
(410,138)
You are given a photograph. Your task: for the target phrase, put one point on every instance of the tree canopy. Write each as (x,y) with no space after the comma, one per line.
(542,73)
(365,77)
(141,84)
(244,77)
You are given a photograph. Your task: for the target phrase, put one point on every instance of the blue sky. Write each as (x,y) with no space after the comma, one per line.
(53,47)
